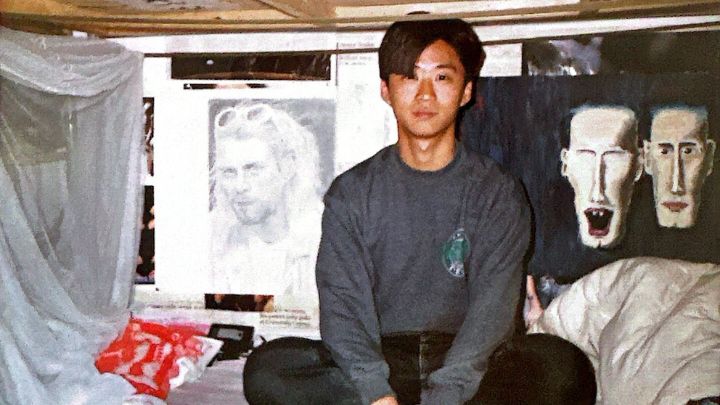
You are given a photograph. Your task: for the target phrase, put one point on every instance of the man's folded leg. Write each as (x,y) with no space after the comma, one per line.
(295,371)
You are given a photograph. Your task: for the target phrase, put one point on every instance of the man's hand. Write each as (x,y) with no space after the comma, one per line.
(533,308)
(386,401)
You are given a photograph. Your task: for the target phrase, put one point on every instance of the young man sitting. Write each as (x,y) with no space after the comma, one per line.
(419,269)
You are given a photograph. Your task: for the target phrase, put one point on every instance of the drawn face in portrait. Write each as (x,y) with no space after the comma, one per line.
(248,176)
(678,157)
(253,171)
(602,164)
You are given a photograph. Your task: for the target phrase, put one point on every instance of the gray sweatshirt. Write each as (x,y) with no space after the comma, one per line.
(407,251)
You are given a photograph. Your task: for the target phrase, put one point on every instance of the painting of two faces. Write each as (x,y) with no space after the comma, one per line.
(614,166)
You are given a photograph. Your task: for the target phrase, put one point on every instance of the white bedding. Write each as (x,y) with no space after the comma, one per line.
(650,326)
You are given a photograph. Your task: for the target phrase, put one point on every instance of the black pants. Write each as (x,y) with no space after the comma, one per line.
(301,371)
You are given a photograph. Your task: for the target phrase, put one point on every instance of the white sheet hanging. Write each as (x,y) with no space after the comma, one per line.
(71,153)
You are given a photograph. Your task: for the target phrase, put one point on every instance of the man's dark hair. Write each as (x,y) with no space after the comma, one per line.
(538,369)
(404,41)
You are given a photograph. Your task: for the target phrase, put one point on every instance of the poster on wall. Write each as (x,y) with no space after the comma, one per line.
(149,128)
(239,179)
(614,166)
(270,162)
(368,123)
(145,269)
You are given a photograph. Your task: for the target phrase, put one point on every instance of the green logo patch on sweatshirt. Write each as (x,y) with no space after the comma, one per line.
(454,253)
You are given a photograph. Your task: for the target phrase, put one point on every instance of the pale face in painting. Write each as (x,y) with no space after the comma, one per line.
(602,164)
(249,178)
(678,157)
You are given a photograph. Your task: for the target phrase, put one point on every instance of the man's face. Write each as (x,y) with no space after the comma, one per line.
(249,178)
(426,105)
(602,165)
(678,157)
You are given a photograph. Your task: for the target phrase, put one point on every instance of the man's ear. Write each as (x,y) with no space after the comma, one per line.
(563,159)
(385,91)
(710,145)
(467,93)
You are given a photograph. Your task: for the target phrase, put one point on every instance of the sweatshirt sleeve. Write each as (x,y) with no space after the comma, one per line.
(348,320)
(494,284)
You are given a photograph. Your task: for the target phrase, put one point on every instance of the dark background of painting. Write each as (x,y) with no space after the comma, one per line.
(649,53)
(521,122)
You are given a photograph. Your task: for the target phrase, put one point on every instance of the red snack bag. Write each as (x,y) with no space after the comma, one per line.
(145,355)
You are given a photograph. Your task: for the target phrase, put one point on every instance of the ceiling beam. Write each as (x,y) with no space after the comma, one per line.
(302,8)
(29,13)
(36,7)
